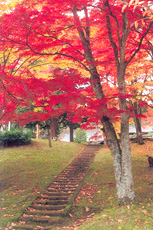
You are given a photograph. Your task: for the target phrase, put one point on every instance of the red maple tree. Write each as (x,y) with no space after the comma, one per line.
(103,37)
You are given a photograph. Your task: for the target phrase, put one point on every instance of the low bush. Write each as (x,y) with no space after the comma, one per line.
(15,137)
(80,136)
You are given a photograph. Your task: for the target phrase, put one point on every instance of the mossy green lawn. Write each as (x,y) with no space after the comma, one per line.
(99,194)
(26,171)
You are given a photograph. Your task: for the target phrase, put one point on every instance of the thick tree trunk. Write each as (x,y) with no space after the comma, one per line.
(114,146)
(121,158)
(71,132)
(126,187)
(121,154)
(126,192)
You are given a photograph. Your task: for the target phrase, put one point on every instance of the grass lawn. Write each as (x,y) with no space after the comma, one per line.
(26,171)
(99,195)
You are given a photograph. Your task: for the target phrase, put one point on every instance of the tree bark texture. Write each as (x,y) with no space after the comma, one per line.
(52,130)
(137,122)
(71,132)
(53,127)
(49,136)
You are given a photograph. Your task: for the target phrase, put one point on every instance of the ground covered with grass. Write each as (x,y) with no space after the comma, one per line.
(98,195)
(26,171)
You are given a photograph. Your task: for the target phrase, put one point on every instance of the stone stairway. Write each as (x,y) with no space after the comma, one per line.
(53,205)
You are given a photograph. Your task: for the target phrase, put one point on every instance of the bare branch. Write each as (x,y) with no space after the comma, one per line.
(21,65)
(111,13)
(3,115)
(52,54)
(113,44)
(140,43)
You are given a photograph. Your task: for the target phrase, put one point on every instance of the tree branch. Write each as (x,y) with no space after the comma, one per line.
(52,54)
(140,43)
(113,44)
(111,13)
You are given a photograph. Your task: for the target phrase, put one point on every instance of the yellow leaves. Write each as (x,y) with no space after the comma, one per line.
(145,211)
(143,22)
(131,2)
(119,220)
(8,5)
(134,3)
(136,24)
(148,14)
(38,109)
(123,8)
(87,209)
(145,13)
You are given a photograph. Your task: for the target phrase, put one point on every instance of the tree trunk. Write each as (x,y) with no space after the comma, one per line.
(121,158)
(126,192)
(137,122)
(71,132)
(53,128)
(126,186)
(49,135)
(114,146)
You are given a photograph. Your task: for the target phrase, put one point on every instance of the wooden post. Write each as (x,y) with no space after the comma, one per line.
(37,131)
(71,132)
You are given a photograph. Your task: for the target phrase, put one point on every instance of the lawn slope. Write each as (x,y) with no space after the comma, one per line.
(26,171)
(98,195)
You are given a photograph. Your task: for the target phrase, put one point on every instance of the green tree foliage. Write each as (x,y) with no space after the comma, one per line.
(80,136)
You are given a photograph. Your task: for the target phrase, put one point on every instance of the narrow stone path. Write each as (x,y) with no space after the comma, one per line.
(55,202)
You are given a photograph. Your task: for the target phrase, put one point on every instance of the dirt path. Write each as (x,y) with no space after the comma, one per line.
(55,202)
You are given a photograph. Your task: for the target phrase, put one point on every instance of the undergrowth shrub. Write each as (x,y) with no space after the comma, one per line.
(15,137)
(80,136)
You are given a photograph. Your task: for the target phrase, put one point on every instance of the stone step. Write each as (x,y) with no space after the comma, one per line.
(61,178)
(60,190)
(55,197)
(68,186)
(51,202)
(31,212)
(56,193)
(30,219)
(65,183)
(24,226)
(47,207)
